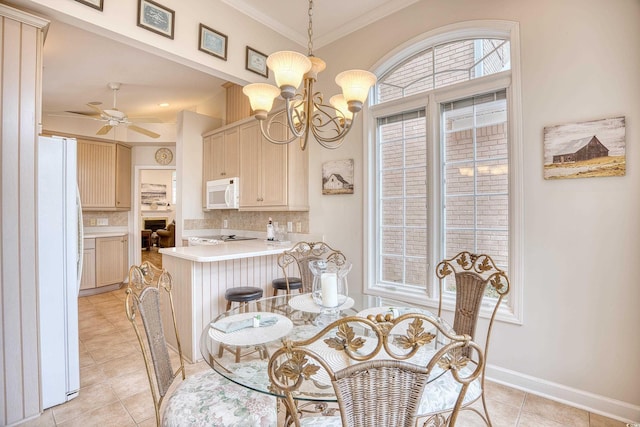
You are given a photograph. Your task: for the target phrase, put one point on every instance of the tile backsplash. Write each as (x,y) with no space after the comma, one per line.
(251,221)
(98,219)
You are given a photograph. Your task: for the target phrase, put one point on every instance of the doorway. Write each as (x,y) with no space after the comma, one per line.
(154,212)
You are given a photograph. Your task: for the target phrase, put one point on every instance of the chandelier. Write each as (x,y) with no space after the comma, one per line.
(305,112)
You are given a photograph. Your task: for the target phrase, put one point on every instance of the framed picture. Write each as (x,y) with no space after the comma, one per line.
(212,42)
(257,62)
(96,4)
(155,17)
(337,177)
(585,149)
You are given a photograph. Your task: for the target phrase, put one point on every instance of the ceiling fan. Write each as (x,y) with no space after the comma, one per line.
(114,117)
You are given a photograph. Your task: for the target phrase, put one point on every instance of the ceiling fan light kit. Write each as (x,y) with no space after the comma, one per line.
(306,113)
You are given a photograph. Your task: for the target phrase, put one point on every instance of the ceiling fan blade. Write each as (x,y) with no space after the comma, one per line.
(76,115)
(143,131)
(96,109)
(104,130)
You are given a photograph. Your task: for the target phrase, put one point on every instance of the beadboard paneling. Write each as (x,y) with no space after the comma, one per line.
(21,52)
(199,288)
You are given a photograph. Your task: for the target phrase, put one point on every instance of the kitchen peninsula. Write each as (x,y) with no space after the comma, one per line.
(201,274)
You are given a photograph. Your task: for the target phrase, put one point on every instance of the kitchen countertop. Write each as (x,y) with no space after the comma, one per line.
(226,250)
(97,234)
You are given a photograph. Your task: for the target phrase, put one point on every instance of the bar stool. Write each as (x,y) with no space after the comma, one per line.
(243,295)
(280,284)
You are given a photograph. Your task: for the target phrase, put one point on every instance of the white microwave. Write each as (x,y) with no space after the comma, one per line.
(223,193)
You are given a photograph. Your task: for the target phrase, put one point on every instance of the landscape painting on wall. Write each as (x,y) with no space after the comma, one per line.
(337,177)
(586,149)
(153,194)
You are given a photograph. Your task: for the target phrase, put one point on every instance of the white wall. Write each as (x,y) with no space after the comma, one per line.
(118,22)
(580,61)
(191,126)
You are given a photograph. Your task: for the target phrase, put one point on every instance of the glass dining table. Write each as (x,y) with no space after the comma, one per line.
(238,351)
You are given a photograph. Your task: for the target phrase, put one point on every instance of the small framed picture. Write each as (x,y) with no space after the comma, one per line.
(155,17)
(257,62)
(212,42)
(96,4)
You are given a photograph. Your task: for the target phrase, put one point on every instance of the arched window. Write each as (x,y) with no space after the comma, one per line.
(444,160)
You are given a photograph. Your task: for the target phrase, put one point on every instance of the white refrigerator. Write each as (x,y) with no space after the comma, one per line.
(59,225)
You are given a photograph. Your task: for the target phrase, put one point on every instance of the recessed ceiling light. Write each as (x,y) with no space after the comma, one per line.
(163,104)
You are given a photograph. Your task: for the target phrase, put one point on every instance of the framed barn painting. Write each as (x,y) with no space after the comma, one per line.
(337,177)
(585,149)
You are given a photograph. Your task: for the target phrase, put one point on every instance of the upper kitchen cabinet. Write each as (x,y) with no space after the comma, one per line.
(272,176)
(104,175)
(221,154)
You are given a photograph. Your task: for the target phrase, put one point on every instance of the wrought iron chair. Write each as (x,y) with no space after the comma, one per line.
(378,367)
(204,399)
(473,277)
(300,254)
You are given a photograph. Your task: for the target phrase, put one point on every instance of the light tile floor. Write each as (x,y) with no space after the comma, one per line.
(114,390)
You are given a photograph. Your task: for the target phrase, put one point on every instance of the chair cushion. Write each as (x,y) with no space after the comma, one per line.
(209,399)
(333,421)
(243,294)
(280,283)
(440,395)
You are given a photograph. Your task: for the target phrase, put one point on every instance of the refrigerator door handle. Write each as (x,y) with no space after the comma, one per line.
(80,237)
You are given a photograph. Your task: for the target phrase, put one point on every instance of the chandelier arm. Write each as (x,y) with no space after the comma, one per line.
(267,136)
(333,142)
(289,111)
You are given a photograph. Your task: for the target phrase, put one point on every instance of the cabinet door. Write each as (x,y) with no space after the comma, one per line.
(231,153)
(273,172)
(217,156)
(207,162)
(97,174)
(111,260)
(123,177)
(250,142)
(88,279)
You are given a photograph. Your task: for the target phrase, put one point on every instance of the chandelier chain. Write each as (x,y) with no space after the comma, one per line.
(310,29)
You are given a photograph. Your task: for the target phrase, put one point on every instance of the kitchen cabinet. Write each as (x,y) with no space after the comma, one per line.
(104,175)
(220,157)
(272,176)
(105,262)
(88,279)
(111,260)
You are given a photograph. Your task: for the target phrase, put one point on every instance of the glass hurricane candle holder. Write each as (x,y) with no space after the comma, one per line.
(329,289)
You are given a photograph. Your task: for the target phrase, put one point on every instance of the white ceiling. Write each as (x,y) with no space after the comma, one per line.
(78,65)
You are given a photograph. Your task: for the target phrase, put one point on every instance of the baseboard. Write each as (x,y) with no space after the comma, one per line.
(591,402)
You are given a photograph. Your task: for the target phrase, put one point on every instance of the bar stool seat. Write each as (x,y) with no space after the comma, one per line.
(280,284)
(243,295)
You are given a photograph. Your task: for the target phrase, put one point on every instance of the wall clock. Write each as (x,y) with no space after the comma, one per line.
(164,156)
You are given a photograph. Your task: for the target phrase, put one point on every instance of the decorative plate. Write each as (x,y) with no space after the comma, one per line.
(252,336)
(305,303)
(164,156)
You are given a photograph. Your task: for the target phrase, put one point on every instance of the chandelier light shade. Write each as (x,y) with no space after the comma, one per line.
(305,112)
(288,69)
(339,103)
(355,86)
(261,97)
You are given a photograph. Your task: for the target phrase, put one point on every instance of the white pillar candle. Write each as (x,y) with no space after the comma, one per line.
(329,286)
